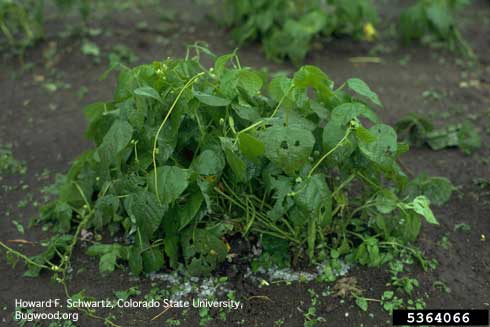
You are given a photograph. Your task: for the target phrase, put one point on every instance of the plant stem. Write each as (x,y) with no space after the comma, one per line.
(344,183)
(155,142)
(282,100)
(22,256)
(347,133)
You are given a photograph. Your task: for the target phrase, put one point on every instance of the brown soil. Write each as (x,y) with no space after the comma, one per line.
(47,130)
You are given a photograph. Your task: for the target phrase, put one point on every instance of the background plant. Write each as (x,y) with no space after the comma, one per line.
(432,21)
(22,21)
(286,29)
(417,130)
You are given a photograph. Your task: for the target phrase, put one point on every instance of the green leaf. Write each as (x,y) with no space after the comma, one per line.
(188,212)
(220,63)
(383,150)
(116,139)
(90,49)
(364,135)
(171,247)
(443,138)
(143,209)
(409,226)
(107,262)
(99,249)
(172,182)
(361,88)
(104,210)
(464,135)
(63,213)
(311,76)
(246,112)
(236,164)
(251,147)
(288,147)
(413,23)
(437,189)
(421,206)
(468,137)
(149,92)
(315,198)
(345,112)
(109,253)
(209,162)
(279,86)
(439,14)
(386,201)
(313,22)
(18,226)
(202,251)
(152,260)
(250,81)
(280,186)
(211,100)
(275,253)
(126,294)
(135,260)
(362,303)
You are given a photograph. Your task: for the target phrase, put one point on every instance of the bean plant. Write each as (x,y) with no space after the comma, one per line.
(287,28)
(433,21)
(186,157)
(22,21)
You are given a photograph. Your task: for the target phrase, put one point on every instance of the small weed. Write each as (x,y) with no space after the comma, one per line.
(432,95)
(462,227)
(132,291)
(120,54)
(390,301)
(18,226)
(440,285)
(90,49)
(8,163)
(173,322)
(82,92)
(204,316)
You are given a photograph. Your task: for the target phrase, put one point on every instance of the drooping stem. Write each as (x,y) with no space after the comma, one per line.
(347,133)
(155,142)
(344,184)
(282,100)
(22,256)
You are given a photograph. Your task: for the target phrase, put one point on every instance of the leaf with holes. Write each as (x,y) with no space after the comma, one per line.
(288,147)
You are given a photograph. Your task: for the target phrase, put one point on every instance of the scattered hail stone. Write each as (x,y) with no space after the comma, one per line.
(85,235)
(184,286)
(288,275)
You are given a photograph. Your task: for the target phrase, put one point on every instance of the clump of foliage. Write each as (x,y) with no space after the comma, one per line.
(186,157)
(433,21)
(417,130)
(22,21)
(287,28)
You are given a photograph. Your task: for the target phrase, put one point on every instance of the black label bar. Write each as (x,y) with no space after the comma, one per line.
(440,317)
